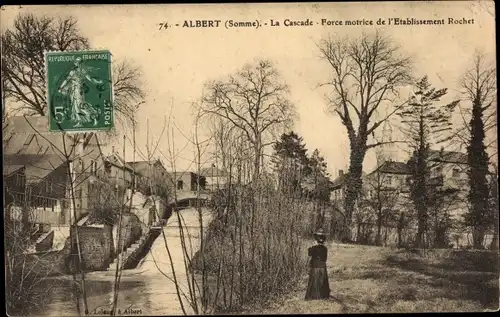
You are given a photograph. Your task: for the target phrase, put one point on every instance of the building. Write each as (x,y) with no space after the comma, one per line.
(338,187)
(151,175)
(37,167)
(215,178)
(117,171)
(187,181)
(449,169)
(33,180)
(389,176)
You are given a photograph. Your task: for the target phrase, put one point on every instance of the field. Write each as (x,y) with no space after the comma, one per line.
(367,279)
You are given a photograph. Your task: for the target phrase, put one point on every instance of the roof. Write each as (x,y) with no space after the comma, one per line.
(30,135)
(141,166)
(116,160)
(448,157)
(157,172)
(339,181)
(213,172)
(10,169)
(37,166)
(393,167)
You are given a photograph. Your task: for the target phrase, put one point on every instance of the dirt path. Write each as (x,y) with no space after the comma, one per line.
(367,279)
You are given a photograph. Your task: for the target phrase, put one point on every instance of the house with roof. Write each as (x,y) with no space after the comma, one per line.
(117,171)
(187,181)
(150,174)
(37,167)
(449,169)
(388,176)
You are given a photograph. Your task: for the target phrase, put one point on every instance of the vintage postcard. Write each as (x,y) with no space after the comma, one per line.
(272,158)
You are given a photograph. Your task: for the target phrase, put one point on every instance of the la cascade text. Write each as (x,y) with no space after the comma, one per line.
(394,21)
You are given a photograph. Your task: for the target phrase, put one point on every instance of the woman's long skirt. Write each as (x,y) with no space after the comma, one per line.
(318,286)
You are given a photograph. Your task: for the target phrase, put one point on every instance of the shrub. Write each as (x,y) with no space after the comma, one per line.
(254,248)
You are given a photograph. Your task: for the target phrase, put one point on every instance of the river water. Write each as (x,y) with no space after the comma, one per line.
(146,290)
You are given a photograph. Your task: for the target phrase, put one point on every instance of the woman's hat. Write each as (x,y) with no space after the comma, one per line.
(320,233)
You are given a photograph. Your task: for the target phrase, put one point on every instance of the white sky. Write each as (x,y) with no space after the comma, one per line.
(177,62)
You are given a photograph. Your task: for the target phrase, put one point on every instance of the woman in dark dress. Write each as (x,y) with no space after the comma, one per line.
(318,286)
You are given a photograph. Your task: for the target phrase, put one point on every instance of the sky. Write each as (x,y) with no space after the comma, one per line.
(177,62)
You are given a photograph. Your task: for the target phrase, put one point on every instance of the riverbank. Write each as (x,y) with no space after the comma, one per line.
(367,279)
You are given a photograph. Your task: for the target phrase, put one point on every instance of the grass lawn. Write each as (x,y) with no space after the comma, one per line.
(366,279)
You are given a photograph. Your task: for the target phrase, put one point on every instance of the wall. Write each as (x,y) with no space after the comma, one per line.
(214,182)
(446,170)
(131,231)
(96,245)
(83,169)
(45,242)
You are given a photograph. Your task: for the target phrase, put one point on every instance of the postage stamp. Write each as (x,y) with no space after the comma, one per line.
(79,90)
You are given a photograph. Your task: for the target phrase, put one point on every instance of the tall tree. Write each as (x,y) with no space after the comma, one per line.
(319,176)
(290,161)
(424,124)
(23,68)
(479,85)
(367,73)
(254,101)
(321,185)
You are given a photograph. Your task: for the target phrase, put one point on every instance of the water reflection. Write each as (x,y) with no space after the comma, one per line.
(60,297)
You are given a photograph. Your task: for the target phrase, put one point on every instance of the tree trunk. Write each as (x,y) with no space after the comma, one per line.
(494,241)
(378,238)
(420,239)
(353,188)
(478,237)
(358,233)
(494,192)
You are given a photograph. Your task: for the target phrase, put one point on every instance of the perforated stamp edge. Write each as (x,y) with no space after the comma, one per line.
(46,53)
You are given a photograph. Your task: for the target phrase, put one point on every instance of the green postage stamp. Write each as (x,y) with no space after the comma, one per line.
(79,91)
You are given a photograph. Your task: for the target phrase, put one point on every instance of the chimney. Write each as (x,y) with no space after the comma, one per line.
(341,172)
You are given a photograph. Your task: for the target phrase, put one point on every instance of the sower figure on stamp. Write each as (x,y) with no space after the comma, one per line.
(318,286)
(74,87)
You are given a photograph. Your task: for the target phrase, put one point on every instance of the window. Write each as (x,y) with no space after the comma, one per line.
(107,167)
(180,185)
(456,173)
(388,180)
(19,179)
(48,187)
(438,171)
(29,139)
(95,167)
(408,180)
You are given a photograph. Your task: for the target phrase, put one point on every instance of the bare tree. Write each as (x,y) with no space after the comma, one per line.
(381,197)
(23,69)
(223,134)
(367,73)
(254,101)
